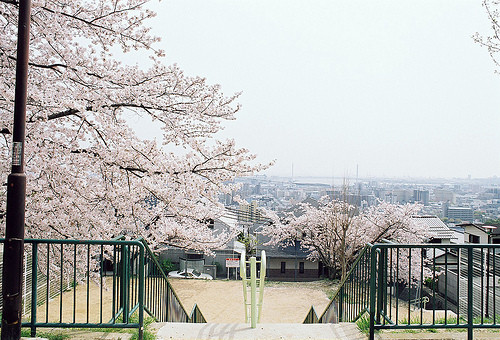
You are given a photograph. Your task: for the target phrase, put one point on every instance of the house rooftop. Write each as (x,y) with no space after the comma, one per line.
(491,229)
(435,226)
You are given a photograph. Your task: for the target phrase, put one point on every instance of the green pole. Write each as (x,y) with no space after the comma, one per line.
(34,287)
(141,291)
(373,267)
(263,265)
(125,282)
(470,316)
(253,287)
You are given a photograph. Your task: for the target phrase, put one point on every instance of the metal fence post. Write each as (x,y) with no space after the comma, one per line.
(34,286)
(381,283)
(141,291)
(341,303)
(470,328)
(373,267)
(125,282)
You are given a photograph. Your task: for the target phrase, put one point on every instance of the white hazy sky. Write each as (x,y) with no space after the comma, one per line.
(397,87)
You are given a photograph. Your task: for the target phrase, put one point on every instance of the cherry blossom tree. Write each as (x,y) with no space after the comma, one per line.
(89,175)
(335,231)
(492,41)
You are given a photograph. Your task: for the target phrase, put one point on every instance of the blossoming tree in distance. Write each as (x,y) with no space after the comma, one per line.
(334,232)
(89,174)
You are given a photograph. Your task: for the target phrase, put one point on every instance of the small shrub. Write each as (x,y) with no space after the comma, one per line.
(50,336)
(167,266)
(363,324)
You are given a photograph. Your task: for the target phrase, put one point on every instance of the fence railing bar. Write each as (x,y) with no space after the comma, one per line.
(74,283)
(409,283)
(446,285)
(113,305)
(494,294)
(482,285)
(421,285)
(47,296)
(34,286)
(88,281)
(434,284)
(101,286)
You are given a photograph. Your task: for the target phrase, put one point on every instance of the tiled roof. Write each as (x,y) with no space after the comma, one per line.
(435,226)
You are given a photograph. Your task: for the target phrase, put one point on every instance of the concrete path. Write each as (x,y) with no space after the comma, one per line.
(480,334)
(84,334)
(237,331)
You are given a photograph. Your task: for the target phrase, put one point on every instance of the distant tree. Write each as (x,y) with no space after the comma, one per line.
(479,216)
(335,231)
(89,174)
(492,221)
(250,242)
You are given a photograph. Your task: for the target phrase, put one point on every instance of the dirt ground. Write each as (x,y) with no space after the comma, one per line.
(80,314)
(221,301)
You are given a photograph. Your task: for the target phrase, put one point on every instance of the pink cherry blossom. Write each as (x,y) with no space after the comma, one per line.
(89,175)
(336,231)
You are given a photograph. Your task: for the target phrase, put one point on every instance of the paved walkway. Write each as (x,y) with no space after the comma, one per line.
(439,335)
(84,334)
(237,331)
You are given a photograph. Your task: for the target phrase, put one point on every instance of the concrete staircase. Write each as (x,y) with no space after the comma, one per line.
(238,331)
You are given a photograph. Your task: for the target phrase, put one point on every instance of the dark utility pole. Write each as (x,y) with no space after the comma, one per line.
(16,190)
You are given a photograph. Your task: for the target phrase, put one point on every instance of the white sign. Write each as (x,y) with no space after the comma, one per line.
(232,263)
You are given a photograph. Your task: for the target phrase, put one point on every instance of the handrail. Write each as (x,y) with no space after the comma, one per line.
(459,279)
(196,315)
(421,300)
(163,314)
(126,279)
(312,316)
(350,271)
(339,308)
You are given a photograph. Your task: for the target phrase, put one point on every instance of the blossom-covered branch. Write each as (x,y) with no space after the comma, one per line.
(89,174)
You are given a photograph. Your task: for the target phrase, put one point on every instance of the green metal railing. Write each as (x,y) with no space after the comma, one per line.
(352,298)
(389,283)
(312,316)
(98,284)
(161,301)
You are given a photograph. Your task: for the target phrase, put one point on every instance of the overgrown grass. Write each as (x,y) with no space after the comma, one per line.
(413,321)
(50,336)
(147,335)
(486,320)
(363,324)
(449,320)
(61,335)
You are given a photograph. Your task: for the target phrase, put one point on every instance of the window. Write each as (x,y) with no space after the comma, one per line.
(283,267)
(301,267)
(194,256)
(473,238)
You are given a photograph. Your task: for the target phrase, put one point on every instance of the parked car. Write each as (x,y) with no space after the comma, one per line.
(189,274)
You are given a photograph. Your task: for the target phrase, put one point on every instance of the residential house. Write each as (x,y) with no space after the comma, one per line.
(438,231)
(479,233)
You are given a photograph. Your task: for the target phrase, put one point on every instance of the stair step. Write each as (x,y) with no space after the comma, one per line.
(345,330)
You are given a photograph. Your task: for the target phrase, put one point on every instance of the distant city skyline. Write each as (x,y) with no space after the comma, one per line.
(455,200)
(396,87)
(339,180)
